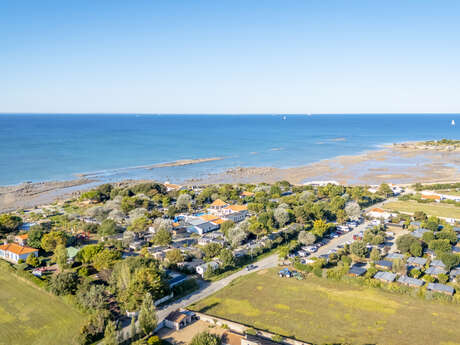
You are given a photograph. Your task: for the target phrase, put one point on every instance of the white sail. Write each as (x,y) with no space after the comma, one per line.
(453,122)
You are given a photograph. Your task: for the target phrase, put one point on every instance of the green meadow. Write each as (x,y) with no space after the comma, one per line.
(29,315)
(323,311)
(431,209)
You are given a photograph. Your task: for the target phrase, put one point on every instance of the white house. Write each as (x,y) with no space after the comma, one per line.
(235,213)
(200,226)
(14,252)
(201,270)
(217,206)
(379,213)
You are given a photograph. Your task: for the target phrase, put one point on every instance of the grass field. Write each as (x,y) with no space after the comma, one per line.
(323,311)
(432,209)
(29,315)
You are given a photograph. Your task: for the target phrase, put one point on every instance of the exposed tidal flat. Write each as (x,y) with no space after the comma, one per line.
(83,150)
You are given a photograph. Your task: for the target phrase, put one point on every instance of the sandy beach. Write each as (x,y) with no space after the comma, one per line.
(401,164)
(392,164)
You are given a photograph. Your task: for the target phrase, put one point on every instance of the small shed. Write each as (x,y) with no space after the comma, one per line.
(416,261)
(384,265)
(178,319)
(405,280)
(441,288)
(386,277)
(435,271)
(394,256)
(357,271)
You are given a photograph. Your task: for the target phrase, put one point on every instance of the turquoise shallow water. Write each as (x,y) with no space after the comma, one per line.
(56,147)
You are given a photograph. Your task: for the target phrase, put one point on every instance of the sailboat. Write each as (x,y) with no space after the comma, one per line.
(453,123)
(284,117)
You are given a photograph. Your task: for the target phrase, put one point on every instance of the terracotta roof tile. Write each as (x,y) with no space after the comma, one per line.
(219,203)
(17,249)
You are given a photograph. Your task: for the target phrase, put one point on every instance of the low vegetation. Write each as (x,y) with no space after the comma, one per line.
(32,316)
(321,311)
(432,209)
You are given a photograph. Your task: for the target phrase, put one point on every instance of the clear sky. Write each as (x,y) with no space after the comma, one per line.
(229,56)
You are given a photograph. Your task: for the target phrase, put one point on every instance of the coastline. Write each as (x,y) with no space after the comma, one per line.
(400,163)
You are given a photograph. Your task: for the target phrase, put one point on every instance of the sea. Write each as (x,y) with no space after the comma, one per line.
(114,147)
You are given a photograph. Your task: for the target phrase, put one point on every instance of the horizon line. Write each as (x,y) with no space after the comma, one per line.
(226,114)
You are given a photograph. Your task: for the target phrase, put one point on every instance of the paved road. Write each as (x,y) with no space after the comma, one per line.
(209,288)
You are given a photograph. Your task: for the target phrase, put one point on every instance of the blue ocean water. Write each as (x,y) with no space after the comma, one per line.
(56,147)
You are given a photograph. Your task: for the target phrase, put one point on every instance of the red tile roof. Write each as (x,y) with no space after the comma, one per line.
(17,249)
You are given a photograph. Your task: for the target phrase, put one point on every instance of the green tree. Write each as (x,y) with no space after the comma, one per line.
(428,236)
(449,259)
(443,278)
(226,258)
(33,261)
(416,248)
(110,334)
(206,338)
(306,238)
(154,340)
(415,273)
(34,237)
(282,216)
(440,246)
(212,250)
(447,234)
(183,202)
(404,242)
(174,256)
(133,329)
(107,228)
(87,253)
(385,190)
(320,227)
(60,256)
(225,226)
(257,228)
(283,252)
(359,249)
(420,216)
(147,315)
(9,223)
(139,224)
(162,237)
(63,283)
(105,259)
(91,297)
(51,240)
(375,254)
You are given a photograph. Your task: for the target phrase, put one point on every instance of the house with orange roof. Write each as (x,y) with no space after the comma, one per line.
(380,213)
(246,194)
(433,197)
(13,252)
(212,218)
(21,239)
(217,206)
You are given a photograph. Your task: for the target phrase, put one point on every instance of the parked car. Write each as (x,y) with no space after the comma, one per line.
(250,267)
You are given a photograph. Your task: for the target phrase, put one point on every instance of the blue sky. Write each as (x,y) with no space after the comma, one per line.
(229,56)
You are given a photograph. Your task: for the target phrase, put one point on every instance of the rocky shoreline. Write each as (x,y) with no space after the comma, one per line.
(404,163)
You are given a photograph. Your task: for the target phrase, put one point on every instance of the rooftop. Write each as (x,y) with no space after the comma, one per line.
(385,276)
(17,249)
(410,281)
(219,203)
(440,288)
